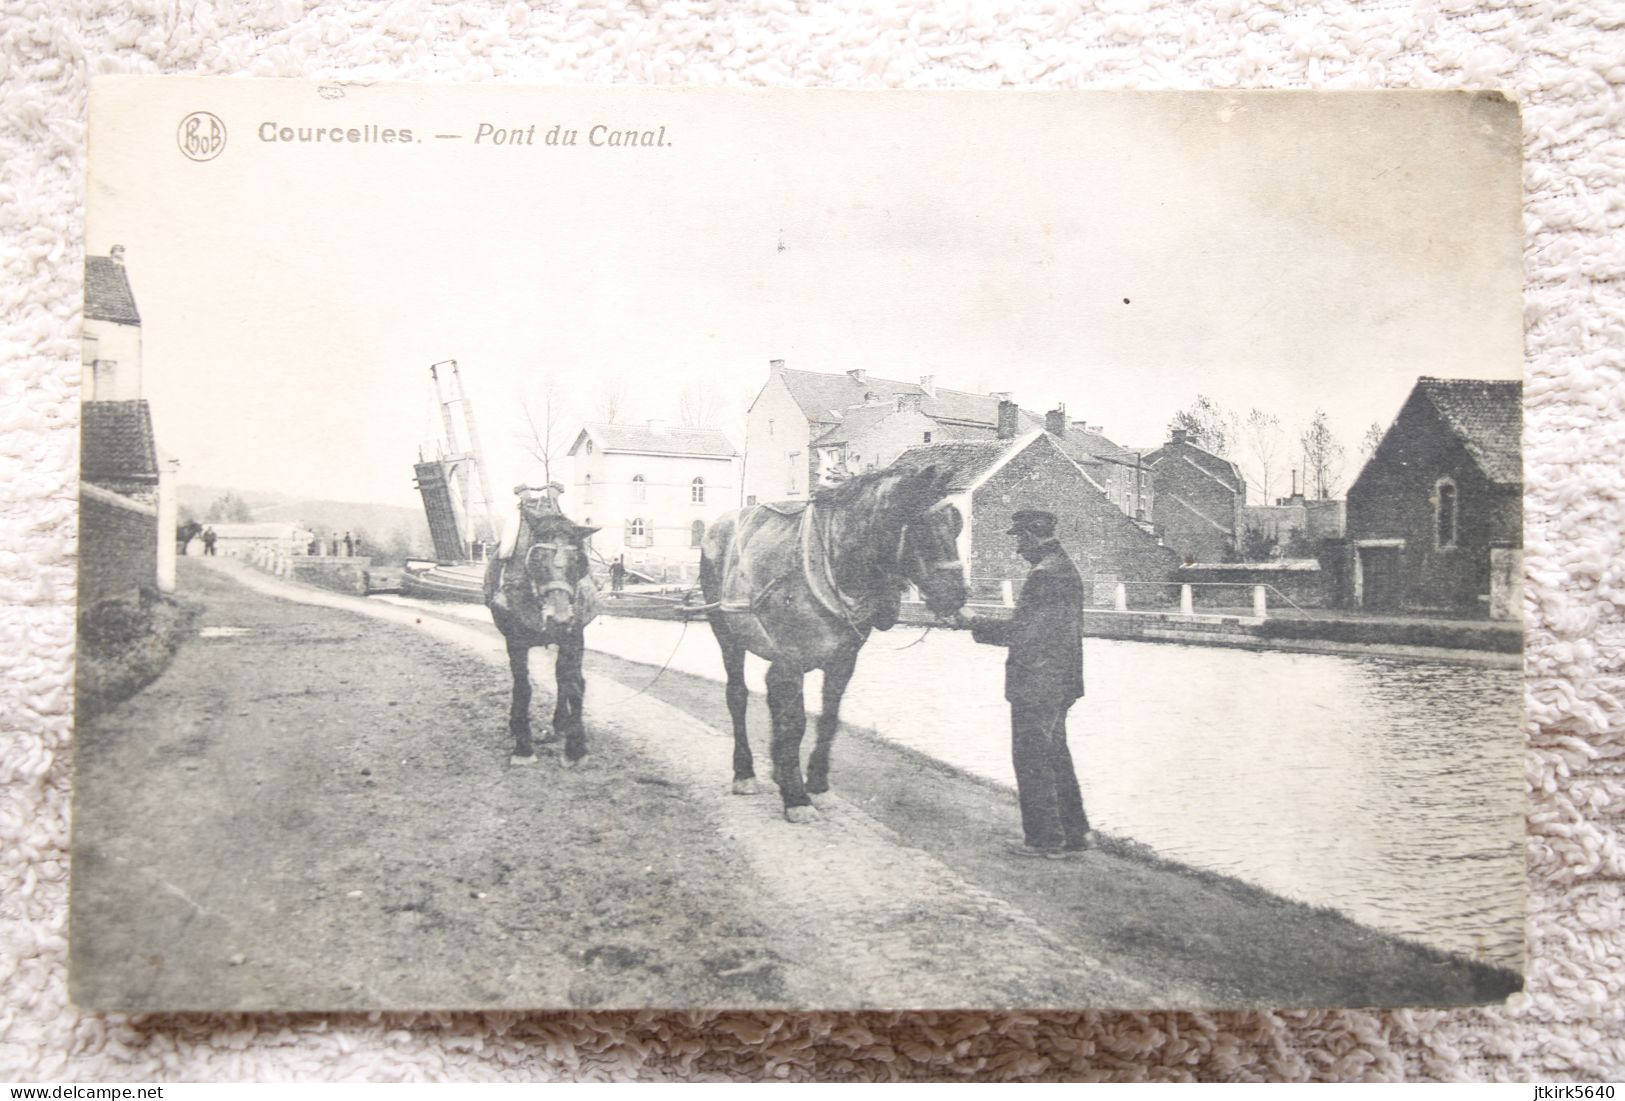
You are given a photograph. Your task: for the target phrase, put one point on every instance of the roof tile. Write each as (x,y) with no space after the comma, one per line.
(107,292)
(116,441)
(708,442)
(1487,416)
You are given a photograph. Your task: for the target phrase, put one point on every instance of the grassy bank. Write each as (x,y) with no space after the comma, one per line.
(125,642)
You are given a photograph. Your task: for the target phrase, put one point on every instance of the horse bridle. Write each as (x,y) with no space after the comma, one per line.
(955,564)
(552,584)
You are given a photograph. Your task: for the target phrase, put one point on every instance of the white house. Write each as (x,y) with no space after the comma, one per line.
(110,336)
(118,453)
(652,491)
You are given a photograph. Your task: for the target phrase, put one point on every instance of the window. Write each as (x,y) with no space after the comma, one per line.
(589,447)
(751,500)
(637,535)
(635,526)
(795,461)
(696,533)
(1444,510)
(586,490)
(770,427)
(928,437)
(640,491)
(696,492)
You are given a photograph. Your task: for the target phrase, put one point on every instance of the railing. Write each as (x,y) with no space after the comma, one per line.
(1171,597)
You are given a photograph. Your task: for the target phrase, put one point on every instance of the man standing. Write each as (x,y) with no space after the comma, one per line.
(209,538)
(1043,677)
(617,573)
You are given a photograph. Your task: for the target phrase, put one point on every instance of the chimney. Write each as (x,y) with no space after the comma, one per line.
(909,401)
(116,254)
(1009,419)
(775,365)
(658,427)
(1177,436)
(1055,420)
(928,383)
(858,374)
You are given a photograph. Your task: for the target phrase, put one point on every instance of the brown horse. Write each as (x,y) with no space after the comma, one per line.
(802,584)
(537,599)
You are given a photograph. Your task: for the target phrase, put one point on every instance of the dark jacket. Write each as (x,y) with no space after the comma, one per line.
(1045,635)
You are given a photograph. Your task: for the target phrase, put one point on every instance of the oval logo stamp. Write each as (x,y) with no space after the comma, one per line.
(201,136)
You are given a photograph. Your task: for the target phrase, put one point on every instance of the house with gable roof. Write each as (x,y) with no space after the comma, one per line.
(651,491)
(989,480)
(1435,518)
(127,496)
(803,425)
(1199,498)
(110,334)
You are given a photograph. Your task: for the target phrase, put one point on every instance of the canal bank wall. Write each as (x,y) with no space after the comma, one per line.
(1495,642)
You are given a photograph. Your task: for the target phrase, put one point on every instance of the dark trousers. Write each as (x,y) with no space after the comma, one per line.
(1046,783)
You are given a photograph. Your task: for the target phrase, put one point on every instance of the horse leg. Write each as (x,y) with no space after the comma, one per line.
(571,685)
(837,674)
(519,713)
(789,727)
(733,660)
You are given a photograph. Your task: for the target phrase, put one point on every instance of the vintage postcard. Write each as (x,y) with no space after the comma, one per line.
(683,548)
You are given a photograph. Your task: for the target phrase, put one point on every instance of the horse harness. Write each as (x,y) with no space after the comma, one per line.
(817,572)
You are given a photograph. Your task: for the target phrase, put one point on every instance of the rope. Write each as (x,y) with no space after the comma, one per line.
(659,672)
(894,649)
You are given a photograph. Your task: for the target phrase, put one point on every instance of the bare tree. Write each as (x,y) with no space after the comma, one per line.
(699,405)
(1207,424)
(1263,446)
(1322,458)
(611,400)
(229,508)
(544,435)
(1373,439)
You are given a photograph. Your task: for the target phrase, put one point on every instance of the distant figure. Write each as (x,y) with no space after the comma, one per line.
(1043,677)
(358,546)
(333,545)
(349,545)
(208,540)
(617,574)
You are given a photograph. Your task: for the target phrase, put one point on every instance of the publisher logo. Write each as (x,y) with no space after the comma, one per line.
(201,136)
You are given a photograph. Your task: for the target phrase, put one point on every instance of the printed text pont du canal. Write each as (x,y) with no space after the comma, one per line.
(596,135)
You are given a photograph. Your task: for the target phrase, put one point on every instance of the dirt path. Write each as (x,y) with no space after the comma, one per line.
(314,809)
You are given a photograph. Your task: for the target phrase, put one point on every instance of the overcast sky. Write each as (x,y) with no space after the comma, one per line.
(1118,253)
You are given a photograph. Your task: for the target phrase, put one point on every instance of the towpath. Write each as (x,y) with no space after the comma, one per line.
(313,808)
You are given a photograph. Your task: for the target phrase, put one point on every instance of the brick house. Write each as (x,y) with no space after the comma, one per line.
(802,424)
(1199,498)
(1122,475)
(1435,519)
(127,496)
(991,479)
(651,491)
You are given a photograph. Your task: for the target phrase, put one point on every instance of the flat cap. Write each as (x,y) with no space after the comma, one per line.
(1036,521)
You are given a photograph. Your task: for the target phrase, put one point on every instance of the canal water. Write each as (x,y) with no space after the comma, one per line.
(1390,790)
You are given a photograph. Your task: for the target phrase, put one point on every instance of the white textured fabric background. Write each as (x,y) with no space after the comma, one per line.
(1565,64)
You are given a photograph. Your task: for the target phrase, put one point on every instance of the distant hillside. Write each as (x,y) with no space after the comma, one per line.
(381,525)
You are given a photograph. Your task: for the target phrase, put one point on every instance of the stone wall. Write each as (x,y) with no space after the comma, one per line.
(118,544)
